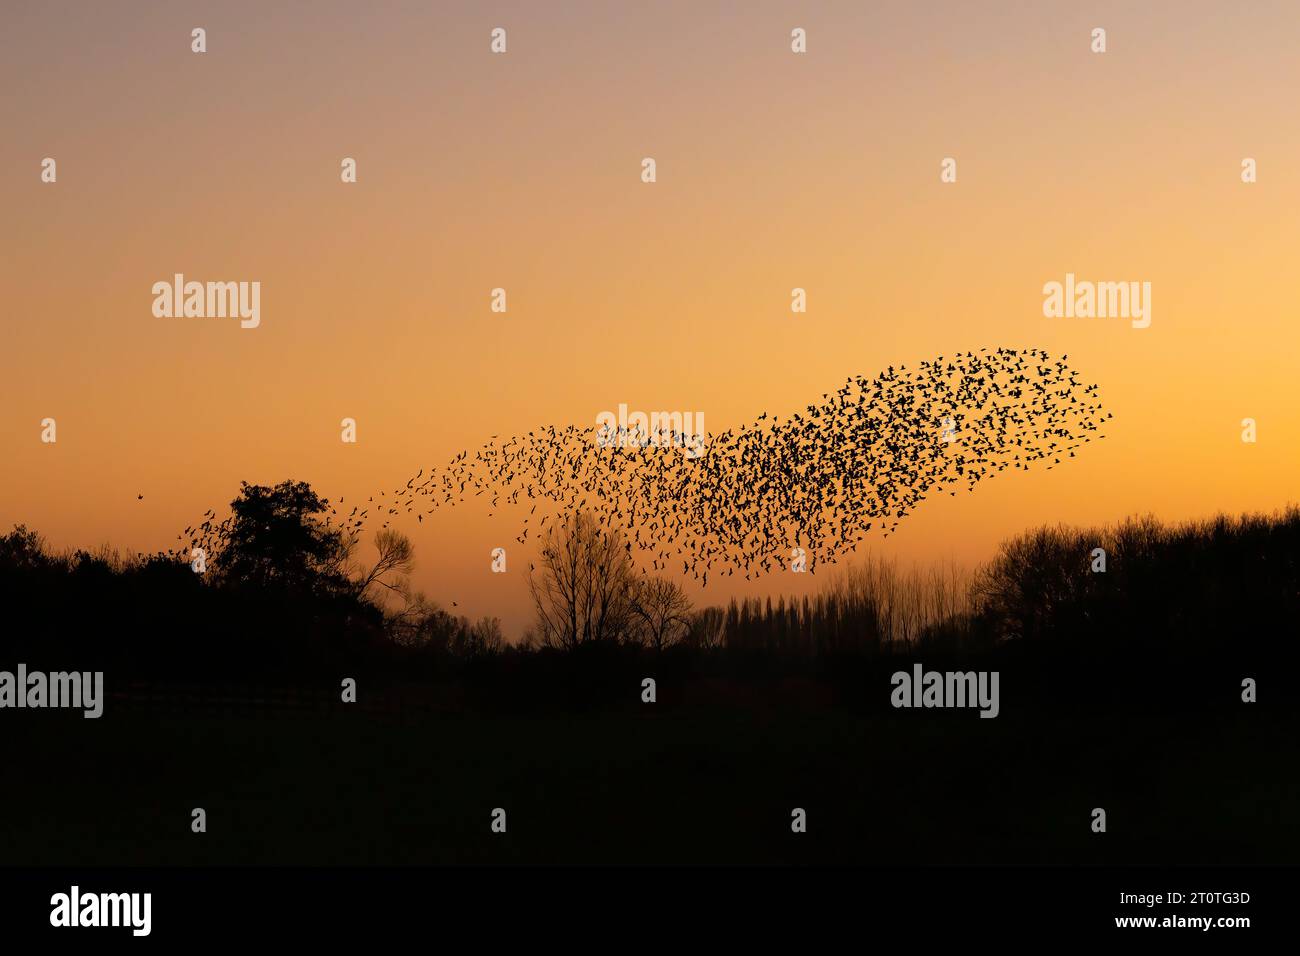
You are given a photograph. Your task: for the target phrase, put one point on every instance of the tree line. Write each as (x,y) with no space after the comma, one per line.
(284,589)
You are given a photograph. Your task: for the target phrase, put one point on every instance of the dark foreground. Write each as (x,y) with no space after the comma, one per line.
(650,788)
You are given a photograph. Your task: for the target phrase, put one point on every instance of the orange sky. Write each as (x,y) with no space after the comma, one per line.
(522,171)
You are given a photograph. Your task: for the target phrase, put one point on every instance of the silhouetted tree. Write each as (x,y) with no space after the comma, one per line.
(22,549)
(396,557)
(276,539)
(707,628)
(662,611)
(583,590)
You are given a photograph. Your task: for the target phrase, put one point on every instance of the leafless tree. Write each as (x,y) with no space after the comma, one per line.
(396,558)
(663,611)
(707,628)
(582,588)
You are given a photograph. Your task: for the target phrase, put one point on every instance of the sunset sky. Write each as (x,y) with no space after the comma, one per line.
(522,171)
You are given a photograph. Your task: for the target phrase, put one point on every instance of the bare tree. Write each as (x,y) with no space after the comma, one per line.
(707,628)
(583,588)
(480,639)
(663,610)
(396,557)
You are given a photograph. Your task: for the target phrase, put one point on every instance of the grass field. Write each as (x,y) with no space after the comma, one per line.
(661,788)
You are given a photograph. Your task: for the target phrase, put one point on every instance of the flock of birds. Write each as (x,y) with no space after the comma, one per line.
(860,460)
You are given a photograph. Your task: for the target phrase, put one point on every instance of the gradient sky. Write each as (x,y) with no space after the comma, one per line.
(523,171)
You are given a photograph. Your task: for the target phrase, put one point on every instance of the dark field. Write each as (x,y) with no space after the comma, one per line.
(653,788)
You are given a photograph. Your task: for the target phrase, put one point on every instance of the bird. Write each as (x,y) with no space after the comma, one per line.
(858,462)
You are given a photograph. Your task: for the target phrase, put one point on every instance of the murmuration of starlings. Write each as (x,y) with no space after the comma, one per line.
(861,459)
(814,483)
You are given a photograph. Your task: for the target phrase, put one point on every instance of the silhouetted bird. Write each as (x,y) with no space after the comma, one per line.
(859,461)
